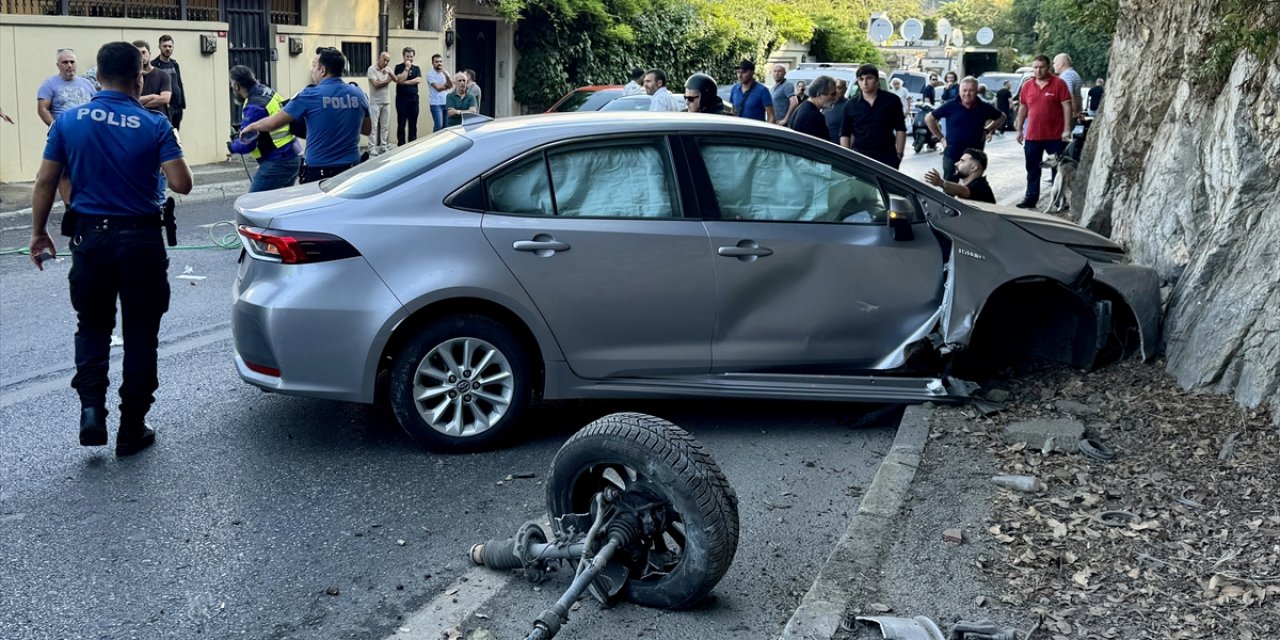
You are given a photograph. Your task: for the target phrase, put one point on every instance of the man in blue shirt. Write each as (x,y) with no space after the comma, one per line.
(750,99)
(970,123)
(337,114)
(116,152)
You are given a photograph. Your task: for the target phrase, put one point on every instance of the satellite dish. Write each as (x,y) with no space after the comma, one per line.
(944,29)
(985,36)
(881,30)
(957,38)
(912,30)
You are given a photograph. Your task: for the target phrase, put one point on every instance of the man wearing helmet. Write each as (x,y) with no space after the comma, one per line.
(700,95)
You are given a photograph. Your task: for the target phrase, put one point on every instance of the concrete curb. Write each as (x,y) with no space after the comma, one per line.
(856,557)
(216,191)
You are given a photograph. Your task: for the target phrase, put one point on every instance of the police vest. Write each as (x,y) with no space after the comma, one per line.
(268,99)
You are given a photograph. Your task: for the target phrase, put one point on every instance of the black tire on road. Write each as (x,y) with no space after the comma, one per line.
(634,446)
(463,331)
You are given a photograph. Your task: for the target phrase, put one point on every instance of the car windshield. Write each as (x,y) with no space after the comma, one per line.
(913,84)
(390,169)
(587,100)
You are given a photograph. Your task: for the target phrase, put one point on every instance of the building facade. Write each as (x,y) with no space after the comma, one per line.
(276,38)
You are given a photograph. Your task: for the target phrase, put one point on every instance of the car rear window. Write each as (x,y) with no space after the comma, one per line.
(913,84)
(390,169)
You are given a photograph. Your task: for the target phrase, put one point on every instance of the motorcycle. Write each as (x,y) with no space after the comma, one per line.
(921,136)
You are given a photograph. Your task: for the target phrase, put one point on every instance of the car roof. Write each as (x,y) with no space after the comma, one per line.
(578,124)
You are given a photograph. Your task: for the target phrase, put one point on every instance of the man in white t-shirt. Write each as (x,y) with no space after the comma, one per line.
(655,84)
(380,79)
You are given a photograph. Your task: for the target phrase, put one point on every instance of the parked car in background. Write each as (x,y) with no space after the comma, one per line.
(638,103)
(993,81)
(913,81)
(848,72)
(655,255)
(591,98)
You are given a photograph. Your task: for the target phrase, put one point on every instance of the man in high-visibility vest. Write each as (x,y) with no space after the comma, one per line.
(277,154)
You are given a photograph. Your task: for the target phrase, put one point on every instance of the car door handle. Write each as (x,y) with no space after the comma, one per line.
(540,247)
(747,251)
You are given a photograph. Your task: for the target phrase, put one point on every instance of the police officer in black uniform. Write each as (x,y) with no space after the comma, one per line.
(116,153)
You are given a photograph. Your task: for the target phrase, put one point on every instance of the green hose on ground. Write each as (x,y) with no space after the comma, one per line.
(229,240)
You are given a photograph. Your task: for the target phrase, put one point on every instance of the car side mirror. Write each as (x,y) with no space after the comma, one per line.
(901,213)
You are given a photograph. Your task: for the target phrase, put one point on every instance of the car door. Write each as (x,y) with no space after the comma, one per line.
(809,275)
(594,233)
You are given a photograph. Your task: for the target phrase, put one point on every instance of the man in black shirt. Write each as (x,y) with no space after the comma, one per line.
(873,124)
(1095,97)
(808,116)
(1004,104)
(408,76)
(157,89)
(835,111)
(973,184)
(178,96)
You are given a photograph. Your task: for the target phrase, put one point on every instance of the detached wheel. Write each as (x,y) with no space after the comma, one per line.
(461,384)
(692,541)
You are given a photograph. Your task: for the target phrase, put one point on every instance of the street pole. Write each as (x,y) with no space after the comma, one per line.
(382,28)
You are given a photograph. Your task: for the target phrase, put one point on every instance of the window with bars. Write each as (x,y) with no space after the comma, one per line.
(359,57)
(287,12)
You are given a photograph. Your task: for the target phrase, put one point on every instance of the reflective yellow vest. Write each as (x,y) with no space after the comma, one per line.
(268,99)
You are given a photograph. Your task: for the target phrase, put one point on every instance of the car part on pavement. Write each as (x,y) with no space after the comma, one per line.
(1096,450)
(922,628)
(638,508)
(460,383)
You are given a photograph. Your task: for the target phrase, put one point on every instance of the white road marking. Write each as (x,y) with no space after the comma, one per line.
(457,603)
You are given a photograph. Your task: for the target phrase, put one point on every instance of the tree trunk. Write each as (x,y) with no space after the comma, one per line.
(1186,174)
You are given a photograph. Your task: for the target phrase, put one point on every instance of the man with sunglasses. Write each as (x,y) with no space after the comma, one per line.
(700,95)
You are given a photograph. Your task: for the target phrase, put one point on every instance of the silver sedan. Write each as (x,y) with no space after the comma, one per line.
(652,256)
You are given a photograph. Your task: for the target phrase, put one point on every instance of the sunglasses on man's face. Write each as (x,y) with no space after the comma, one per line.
(691,98)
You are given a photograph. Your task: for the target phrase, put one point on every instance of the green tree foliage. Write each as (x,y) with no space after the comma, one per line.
(835,41)
(1082,28)
(971,15)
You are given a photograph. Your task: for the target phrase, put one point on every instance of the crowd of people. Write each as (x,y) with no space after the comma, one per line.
(963,115)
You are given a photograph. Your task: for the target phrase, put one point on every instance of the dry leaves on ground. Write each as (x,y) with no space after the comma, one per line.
(1198,553)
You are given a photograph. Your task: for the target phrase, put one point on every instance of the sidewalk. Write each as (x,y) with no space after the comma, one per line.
(211,182)
(1176,536)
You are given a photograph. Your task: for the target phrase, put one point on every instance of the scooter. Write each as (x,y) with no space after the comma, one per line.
(920,133)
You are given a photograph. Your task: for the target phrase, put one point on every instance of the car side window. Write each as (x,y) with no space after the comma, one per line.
(522,189)
(614,179)
(767,184)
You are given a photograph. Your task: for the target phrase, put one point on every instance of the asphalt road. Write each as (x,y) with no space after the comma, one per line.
(252,508)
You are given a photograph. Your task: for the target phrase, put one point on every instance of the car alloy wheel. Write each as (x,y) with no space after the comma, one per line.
(463,387)
(461,383)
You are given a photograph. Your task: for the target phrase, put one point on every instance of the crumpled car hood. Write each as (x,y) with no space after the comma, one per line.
(1050,228)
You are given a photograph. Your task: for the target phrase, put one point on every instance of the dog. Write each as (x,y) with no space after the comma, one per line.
(1060,193)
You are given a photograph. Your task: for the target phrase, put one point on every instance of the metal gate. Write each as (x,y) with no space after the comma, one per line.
(248,42)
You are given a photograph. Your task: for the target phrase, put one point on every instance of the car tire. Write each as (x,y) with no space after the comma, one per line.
(461,384)
(676,466)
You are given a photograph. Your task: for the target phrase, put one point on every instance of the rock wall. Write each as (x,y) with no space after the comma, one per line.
(1186,174)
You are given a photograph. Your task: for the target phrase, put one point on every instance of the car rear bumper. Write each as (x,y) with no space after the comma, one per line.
(313,324)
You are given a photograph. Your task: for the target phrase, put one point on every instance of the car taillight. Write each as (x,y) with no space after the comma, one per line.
(295,247)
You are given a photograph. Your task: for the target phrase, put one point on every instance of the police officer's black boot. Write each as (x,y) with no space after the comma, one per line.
(93,426)
(134,434)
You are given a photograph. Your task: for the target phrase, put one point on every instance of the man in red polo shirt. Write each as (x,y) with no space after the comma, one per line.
(1045,109)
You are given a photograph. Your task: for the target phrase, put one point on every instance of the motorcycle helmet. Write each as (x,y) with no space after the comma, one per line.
(705,85)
